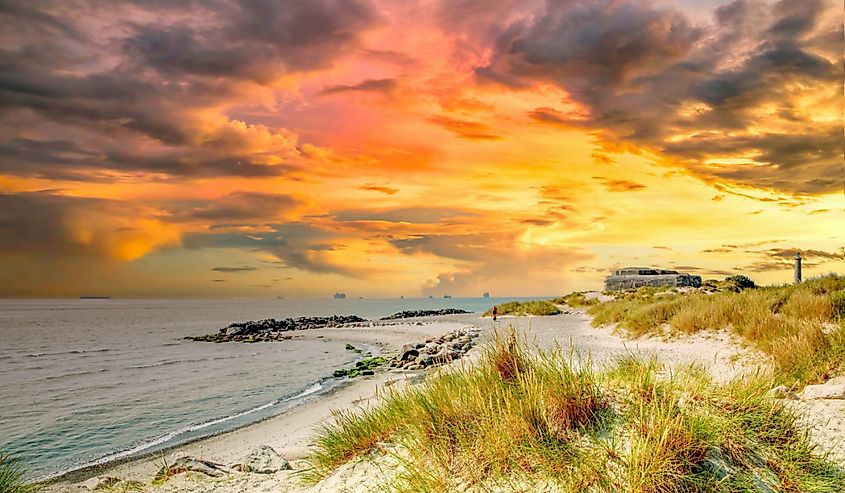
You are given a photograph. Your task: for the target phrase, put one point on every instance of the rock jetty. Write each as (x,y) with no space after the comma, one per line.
(272,329)
(435,350)
(424,313)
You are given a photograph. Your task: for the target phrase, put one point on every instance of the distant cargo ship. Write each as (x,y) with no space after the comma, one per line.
(88,297)
(447,296)
(339,296)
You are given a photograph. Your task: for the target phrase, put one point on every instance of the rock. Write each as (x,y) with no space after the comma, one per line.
(824,391)
(187,463)
(264,460)
(424,360)
(424,313)
(783,392)
(367,373)
(100,482)
(268,329)
(407,347)
(409,355)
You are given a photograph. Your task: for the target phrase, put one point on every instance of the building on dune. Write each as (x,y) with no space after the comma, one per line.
(635,277)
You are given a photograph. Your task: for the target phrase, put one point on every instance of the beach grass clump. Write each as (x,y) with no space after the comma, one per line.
(521,419)
(523,308)
(801,327)
(577,299)
(12,476)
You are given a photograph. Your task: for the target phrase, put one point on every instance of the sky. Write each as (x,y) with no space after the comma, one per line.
(234,148)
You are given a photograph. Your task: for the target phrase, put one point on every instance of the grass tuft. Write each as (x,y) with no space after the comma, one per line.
(522,308)
(12,476)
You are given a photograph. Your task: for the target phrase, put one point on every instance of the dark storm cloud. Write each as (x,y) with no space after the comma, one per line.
(620,185)
(229,270)
(641,68)
(236,208)
(465,129)
(416,215)
(370,85)
(256,40)
(48,224)
(299,245)
(134,95)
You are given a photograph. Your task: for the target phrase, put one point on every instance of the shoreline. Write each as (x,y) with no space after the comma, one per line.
(289,432)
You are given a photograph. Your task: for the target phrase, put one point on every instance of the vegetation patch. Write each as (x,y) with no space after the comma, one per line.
(576,300)
(523,308)
(520,418)
(801,327)
(363,367)
(12,476)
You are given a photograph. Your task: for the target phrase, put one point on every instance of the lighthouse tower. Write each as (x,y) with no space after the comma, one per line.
(798,268)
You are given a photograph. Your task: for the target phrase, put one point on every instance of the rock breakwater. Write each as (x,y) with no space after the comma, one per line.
(424,313)
(272,329)
(435,350)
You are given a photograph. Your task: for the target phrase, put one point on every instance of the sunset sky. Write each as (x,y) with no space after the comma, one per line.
(396,147)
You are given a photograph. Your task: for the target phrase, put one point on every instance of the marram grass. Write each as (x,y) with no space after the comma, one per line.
(12,476)
(522,420)
(802,328)
(522,308)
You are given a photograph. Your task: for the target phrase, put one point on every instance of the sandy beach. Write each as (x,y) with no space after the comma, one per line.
(291,433)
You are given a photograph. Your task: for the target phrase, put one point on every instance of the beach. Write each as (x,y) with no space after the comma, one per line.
(292,432)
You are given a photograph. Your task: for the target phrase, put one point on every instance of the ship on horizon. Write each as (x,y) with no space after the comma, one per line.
(339,296)
(90,297)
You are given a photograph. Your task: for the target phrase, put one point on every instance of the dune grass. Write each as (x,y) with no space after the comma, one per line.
(801,327)
(12,476)
(522,308)
(522,420)
(575,300)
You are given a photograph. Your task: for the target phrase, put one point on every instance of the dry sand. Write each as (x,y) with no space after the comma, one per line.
(290,433)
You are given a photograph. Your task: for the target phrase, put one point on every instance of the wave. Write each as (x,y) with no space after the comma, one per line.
(72,351)
(75,374)
(195,360)
(167,437)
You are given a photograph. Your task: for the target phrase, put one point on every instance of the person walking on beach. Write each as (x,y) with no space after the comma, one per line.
(495,312)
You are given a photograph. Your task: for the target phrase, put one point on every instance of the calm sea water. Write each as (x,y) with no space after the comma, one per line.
(84,382)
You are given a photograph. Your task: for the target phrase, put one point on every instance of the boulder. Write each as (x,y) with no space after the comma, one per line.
(424,360)
(264,460)
(783,392)
(408,347)
(187,463)
(409,355)
(824,391)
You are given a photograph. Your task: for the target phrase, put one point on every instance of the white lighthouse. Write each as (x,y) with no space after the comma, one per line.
(798,268)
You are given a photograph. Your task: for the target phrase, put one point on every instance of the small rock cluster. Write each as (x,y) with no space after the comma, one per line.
(261,460)
(272,329)
(436,350)
(424,313)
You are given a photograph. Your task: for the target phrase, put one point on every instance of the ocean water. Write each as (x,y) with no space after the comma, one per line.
(84,382)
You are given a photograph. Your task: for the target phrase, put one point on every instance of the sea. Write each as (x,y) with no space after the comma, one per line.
(88,382)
